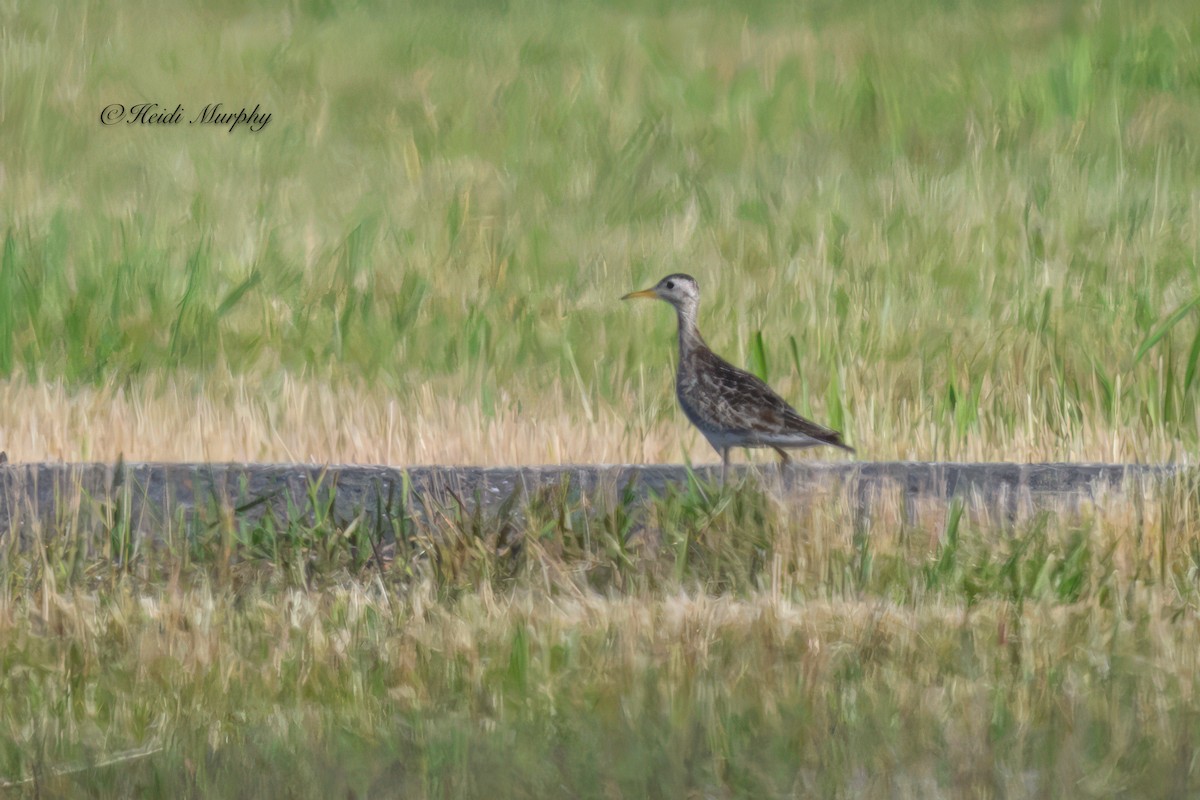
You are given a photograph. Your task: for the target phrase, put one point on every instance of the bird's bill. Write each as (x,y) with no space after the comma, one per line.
(643,293)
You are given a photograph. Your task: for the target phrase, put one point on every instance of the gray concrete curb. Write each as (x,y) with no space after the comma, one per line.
(152,495)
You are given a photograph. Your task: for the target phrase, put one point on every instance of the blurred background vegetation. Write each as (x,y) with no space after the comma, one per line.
(974,212)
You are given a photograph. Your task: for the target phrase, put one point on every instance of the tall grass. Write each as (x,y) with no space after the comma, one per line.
(962,230)
(711,642)
(977,221)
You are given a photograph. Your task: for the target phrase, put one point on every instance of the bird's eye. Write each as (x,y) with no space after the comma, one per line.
(670,284)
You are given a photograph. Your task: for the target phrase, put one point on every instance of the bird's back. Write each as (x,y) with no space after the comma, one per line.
(732,407)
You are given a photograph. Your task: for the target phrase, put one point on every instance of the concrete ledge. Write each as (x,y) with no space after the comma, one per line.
(149,496)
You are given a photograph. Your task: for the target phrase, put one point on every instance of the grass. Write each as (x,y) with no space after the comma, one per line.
(959,231)
(953,230)
(710,643)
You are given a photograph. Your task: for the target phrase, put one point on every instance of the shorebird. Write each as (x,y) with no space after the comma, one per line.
(731,407)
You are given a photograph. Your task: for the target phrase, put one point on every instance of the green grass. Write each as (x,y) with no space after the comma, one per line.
(970,216)
(709,643)
(953,230)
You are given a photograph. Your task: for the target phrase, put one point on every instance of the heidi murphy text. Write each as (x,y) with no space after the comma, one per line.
(211,114)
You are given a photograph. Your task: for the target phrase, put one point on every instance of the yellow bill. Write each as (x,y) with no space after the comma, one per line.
(643,293)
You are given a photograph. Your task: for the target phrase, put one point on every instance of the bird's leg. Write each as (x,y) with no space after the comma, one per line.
(724,463)
(784,458)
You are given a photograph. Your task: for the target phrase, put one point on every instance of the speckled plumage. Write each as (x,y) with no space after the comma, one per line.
(730,406)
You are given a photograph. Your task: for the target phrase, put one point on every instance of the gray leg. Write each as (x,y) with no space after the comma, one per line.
(724,463)
(784,458)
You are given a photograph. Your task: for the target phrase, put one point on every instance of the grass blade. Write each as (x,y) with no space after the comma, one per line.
(1165,328)
(758,356)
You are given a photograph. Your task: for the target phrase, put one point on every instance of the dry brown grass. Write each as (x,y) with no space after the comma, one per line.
(309,422)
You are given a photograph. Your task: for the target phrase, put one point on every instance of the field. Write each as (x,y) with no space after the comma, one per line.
(952,230)
(952,227)
(709,644)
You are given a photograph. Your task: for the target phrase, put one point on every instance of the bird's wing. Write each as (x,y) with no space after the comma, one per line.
(745,403)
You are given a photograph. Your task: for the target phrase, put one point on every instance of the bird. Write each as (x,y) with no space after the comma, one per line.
(730,406)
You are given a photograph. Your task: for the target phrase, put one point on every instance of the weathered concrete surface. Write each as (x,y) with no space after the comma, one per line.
(149,496)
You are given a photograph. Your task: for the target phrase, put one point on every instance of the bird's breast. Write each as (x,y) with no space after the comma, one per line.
(691,397)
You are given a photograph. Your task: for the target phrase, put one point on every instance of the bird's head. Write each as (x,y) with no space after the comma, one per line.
(679,290)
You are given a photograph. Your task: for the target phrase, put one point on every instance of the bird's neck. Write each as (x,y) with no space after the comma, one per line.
(689,331)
